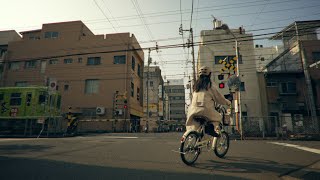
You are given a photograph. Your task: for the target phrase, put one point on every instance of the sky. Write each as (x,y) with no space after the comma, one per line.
(158,21)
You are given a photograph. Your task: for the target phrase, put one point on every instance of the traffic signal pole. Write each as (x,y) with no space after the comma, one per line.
(239,91)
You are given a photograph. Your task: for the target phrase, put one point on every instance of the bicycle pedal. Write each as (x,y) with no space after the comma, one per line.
(178,152)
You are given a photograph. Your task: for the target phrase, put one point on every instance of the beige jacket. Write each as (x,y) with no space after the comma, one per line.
(203,104)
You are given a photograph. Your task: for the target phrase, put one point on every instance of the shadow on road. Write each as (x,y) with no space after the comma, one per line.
(22,148)
(251,165)
(25,168)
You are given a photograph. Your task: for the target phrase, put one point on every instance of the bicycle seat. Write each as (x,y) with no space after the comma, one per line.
(200,119)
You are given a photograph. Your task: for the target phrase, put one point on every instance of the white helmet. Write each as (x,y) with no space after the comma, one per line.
(204,70)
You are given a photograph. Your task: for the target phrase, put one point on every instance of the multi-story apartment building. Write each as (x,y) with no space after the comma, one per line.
(5,38)
(291,92)
(87,69)
(217,51)
(175,91)
(153,97)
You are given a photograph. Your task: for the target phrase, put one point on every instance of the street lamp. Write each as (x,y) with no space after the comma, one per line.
(238,104)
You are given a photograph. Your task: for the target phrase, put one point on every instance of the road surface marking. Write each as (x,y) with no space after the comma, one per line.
(120,137)
(19,139)
(317,151)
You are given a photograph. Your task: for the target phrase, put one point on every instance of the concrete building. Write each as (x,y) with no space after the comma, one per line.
(154,95)
(264,55)
(217,51)
(86,69)
(5,38)
(175,91)
(292,84)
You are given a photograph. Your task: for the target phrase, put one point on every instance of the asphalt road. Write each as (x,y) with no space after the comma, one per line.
(152,156)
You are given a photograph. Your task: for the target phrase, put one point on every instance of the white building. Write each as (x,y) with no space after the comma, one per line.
(264,55)
(218,47)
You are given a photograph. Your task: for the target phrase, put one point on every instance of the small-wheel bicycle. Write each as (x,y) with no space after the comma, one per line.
(193,142)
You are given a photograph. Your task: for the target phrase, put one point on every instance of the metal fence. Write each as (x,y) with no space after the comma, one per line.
(280,126)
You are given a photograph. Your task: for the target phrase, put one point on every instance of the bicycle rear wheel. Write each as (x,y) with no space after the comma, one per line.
(188,151)
(222,145)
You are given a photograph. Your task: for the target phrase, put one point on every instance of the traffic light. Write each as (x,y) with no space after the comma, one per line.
(220,76)
(125,104)
(221,85)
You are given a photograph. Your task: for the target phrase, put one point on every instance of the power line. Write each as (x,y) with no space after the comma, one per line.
(227,40)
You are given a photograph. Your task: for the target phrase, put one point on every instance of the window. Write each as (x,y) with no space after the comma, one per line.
(14,65)
(288,88)
(51,35)
(29,98)
(66,87)
(119,59)
(43,66)
(151,83)
(51,100)
(242,87)
(30,64)
(21,83)
(2,53)
(218,58)
(271,84)
(34,37)
(315,56)
(42,98)
(138,94)
(94,61)
(139,70)
(1,97)
(68,61)
(53,61)
(133,63)
(91,86)
(132,89)
(79,60)
(59,102)
(15,99)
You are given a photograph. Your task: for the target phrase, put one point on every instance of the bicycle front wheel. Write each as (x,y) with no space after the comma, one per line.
(222,145)
(188,150)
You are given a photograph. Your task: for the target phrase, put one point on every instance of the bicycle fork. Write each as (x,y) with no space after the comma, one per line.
(214,142)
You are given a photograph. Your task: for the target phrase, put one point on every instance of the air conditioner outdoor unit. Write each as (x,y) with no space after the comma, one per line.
(100,110)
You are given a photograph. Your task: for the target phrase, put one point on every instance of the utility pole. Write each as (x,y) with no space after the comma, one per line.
(238,103)
(149,62)
(193,60)
(192,51)
(310,95)
(239,91)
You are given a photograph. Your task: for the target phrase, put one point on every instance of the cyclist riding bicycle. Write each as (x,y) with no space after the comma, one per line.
(204,98)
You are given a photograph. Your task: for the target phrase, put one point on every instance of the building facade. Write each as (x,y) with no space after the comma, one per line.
(153,97)
(217,51)
(5,38)
(292,84)
(264,55)
(88,70)
(175,92)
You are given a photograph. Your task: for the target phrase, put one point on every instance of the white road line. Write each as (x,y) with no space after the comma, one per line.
(317,151)
(18,139)
(120,137)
